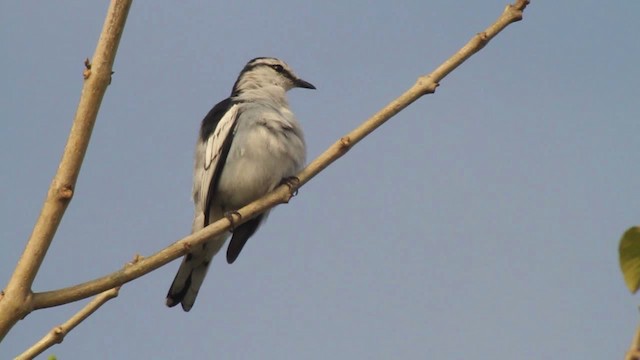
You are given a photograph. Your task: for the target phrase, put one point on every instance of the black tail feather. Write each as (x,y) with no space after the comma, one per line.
(240,236)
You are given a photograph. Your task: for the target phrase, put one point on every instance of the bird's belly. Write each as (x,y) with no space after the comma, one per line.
(256,164)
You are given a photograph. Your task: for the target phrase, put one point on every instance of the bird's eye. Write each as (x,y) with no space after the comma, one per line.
(278,68)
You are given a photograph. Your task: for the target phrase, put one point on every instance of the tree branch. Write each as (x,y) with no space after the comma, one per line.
(425,85)
(634,349)
(57,334)
(16,300)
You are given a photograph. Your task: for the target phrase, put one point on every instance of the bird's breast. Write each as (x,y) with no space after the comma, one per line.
(266,148)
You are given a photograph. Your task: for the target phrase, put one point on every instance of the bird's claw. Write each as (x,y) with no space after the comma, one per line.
(229,216)
(293,183)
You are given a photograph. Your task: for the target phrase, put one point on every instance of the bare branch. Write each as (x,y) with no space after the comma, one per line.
(634,349)
(17,299)
(57,334)
(425,85)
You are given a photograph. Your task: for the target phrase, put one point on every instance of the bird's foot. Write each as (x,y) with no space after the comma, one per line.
(293,183)
(229,216)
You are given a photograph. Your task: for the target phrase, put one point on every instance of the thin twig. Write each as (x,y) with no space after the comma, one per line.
(57,334)
(17,300)
(634,349)
(425,85)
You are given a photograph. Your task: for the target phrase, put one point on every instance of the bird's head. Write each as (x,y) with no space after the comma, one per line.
(267,72)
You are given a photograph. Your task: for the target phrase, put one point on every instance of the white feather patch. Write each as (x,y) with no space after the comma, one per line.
(216,140)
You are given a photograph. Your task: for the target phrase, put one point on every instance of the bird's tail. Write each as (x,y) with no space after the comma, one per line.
(191,273)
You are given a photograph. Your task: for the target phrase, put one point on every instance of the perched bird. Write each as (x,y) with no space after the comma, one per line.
(248,143)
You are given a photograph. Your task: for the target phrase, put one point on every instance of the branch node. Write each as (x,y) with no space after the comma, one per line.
(27,304)
(65,192)
(58,334)
(345,144)
(426,85)
(87,69)
(514,13)
(515,10)
(136,258)
(187,246)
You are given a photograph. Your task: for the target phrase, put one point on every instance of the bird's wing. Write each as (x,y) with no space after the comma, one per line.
(216,134)
(216,141)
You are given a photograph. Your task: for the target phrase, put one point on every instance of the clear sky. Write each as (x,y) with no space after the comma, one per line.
(481,222)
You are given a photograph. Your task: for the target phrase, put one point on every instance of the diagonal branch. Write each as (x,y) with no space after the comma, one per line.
(57,334)
(425,85)
(634,350)
(16,301)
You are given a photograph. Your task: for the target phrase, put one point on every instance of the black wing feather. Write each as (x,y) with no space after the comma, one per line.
(209,124)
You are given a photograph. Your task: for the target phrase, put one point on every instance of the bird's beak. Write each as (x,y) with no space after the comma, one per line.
(303,84)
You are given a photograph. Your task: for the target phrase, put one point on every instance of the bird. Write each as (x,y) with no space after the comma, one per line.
(248,144)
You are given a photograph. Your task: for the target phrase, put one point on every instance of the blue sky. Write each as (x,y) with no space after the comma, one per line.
(481,222)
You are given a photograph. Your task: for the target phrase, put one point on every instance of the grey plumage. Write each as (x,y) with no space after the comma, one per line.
(248,143)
